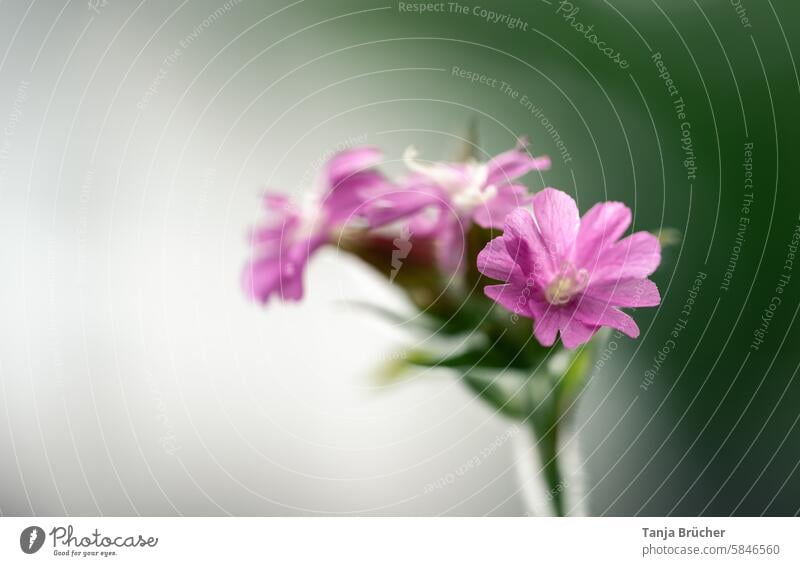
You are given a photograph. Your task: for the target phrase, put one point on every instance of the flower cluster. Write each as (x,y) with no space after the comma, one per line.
(569,274)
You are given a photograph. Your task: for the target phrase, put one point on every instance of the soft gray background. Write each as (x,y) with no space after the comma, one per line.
(136,379)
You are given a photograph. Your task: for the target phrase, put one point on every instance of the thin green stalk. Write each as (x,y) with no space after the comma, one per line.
(547,443)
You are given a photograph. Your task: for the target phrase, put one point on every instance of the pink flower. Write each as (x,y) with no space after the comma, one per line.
(294,232)
(571,274)
(462,193)
(481,192)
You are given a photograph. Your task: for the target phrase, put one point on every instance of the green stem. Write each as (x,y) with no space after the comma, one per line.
(547,443)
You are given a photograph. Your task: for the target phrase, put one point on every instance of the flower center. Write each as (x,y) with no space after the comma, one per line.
(568,283)
(473,196)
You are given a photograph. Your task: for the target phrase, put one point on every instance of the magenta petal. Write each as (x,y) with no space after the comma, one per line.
(346,163)
(274,233)
(637,256)
(494,261)
(269,236)
(292,287)
(545,327)
(351,180)
(270,276)
(574,332)
(451,245)
(625,293)
(280,273)
(400,202)
(266,277)
(346,199)
(600,228)
(512,296)
(493,213)
(423,225)
(507,166)
(599,313)
(525,246)
(558,220)
(260,279)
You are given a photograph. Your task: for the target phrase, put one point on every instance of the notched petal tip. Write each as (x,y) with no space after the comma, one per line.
(545,328)
(575,333)
(495,262)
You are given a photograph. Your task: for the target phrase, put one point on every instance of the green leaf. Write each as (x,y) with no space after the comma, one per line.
(505,393)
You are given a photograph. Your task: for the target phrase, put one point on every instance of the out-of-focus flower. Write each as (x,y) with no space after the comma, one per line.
(293,232)
(462,193)
(571,274)
(477,191)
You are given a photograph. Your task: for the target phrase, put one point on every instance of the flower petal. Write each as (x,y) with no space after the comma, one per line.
(345,164)
(495,262)
(280,272)
(599,313)
(545,327)
(601,227)
(260,278)
(558,220)
(451,177)
(625,292)
(511,296)
(351,179)
(525,246)
(451,244)
(637,256)
(575,332)
(396,203)
(493,213)
(507,166)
